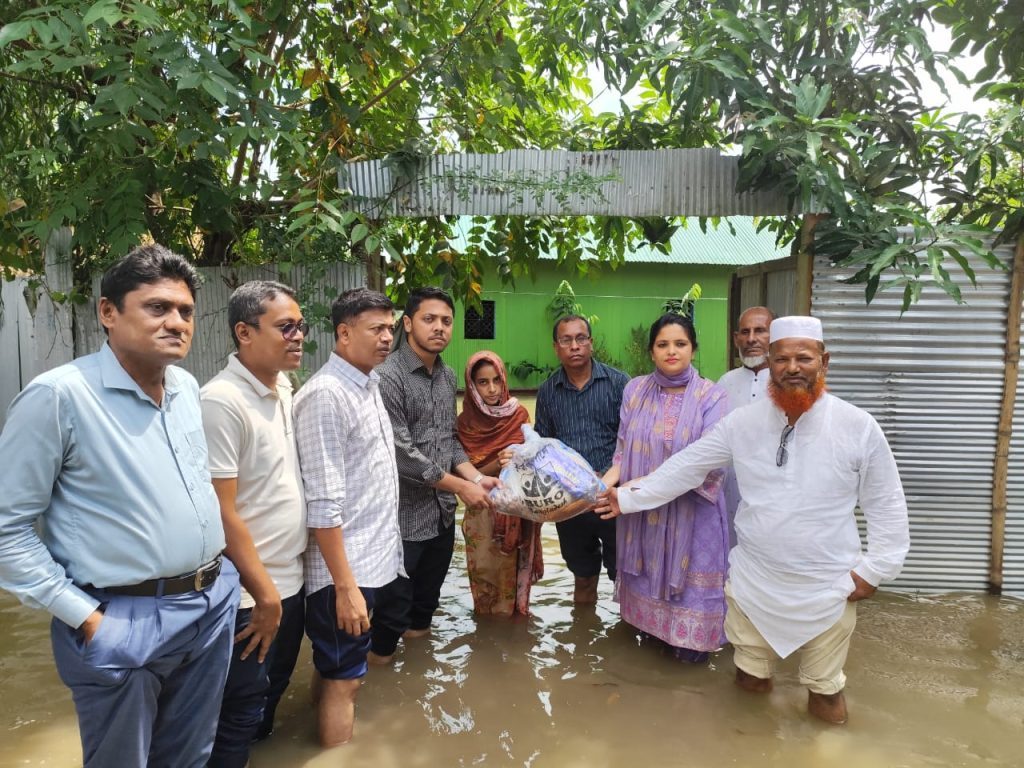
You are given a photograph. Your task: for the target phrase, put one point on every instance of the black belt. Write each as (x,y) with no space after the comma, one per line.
(197,581)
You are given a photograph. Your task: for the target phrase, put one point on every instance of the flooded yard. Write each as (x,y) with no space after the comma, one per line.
(933,681)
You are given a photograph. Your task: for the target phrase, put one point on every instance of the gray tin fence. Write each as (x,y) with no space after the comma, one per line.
(36,334)
(933,379)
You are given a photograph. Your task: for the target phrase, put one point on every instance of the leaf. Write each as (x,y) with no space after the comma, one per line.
(215,89)
(107,10)
(16,30)
(359,232)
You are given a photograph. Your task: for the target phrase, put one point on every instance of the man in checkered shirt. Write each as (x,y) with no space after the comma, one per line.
(347,455)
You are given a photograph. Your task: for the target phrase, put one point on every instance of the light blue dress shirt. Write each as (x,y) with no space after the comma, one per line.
(118,484)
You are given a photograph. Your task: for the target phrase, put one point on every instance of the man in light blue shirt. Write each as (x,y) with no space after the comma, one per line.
(108,455)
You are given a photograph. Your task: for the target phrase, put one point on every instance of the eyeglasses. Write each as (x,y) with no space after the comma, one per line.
(289,330)
(566,341)
(782,455)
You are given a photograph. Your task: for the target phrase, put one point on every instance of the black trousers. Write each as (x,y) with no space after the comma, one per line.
(253,690)
(409,603)
(586,542)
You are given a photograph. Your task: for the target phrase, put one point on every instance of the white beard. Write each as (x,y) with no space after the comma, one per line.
(754,362)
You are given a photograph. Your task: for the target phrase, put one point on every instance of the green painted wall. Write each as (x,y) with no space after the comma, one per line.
(622,299)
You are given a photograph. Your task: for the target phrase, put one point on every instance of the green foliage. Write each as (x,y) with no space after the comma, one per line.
(218,127)
(564,303)
(826,102)
(524,369)
(684,305)
(638,358)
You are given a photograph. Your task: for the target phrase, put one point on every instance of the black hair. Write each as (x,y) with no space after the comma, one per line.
(146,265)
(478,365)
(671,318)
(569,319)
(419,295)
(354,302)
(247,302)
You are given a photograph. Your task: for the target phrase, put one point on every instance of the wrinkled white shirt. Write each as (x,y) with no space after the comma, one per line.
(744,386)
(797,537)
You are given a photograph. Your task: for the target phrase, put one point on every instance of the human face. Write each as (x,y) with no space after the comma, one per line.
(155,327)
(751,336)
(487,381)
(576,355)
(365,340)
(797,364)
(262,345)
(430,329)
(672,352)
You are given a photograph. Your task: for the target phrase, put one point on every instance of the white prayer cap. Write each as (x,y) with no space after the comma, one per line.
(795,327)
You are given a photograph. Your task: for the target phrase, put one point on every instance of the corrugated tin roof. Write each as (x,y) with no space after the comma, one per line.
(534,182)
(734,242)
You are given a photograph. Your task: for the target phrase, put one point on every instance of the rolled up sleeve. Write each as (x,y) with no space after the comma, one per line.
(321,426)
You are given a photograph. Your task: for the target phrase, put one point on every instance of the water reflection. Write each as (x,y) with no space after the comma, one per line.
(934,681)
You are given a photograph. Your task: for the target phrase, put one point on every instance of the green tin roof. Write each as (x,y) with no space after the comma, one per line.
(738,246)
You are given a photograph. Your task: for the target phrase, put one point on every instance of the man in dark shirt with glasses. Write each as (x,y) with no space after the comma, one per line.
(579,404)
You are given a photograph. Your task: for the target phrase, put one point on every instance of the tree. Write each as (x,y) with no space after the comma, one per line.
(826,101)
(218,127)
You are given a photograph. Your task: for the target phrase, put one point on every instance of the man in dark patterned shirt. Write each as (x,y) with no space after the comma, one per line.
(579,405)
(418,390)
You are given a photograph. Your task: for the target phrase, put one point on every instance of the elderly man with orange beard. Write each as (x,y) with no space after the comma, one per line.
(804,460)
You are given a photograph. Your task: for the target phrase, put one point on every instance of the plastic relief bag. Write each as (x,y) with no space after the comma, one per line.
(546,481)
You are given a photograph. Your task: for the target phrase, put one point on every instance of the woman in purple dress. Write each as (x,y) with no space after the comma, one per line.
(672,560)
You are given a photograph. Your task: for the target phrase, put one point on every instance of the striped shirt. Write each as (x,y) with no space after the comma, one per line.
(422,409)
(347,457)
(587,419)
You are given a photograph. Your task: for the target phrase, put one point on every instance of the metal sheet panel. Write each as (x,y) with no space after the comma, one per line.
(933,380)
(533,182)
(212,342)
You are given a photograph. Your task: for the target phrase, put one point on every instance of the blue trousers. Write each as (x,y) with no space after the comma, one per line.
(148,687)
(253,689)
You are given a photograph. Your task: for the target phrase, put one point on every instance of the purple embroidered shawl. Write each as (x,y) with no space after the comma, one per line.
(657,543)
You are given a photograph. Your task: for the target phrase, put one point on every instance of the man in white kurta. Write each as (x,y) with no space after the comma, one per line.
(749,383)
(797,568)
(746,385)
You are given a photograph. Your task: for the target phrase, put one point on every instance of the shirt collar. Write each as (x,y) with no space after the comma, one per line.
(597,371)
(116,377)
(411,361)
(237,368)
(810,419)
(344,368)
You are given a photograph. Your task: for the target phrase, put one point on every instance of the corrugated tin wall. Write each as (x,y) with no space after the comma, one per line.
(212,343)
(933,379)
(534,182)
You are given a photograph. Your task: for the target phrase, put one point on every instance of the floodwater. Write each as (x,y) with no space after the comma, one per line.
(933,681)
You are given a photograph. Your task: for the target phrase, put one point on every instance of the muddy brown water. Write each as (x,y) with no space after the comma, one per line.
(933,681)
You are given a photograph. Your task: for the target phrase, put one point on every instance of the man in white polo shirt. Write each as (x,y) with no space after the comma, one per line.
(247,416)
